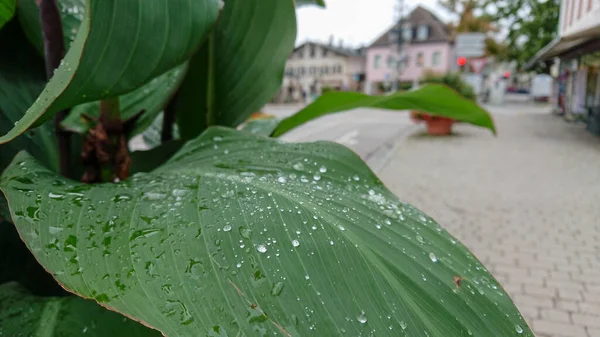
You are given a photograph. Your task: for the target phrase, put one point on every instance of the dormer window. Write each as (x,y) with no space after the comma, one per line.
(407,33)
(422,32)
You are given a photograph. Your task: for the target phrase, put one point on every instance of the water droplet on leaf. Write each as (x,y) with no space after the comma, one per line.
(362,318)
(261,248)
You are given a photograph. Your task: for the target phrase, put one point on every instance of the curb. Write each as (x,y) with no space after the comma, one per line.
(380,158)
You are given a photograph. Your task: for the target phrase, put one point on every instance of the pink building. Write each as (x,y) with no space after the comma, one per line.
(427,46)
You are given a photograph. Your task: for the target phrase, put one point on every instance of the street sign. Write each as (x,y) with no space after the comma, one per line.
(470,45)
(477,64)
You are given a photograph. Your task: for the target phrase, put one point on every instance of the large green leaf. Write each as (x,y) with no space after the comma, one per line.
(23,314)
(150,98)
(241,66)
(437,100)
(245,235)
(7,10)
(120,46)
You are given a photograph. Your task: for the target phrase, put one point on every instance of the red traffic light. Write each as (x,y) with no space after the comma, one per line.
(462,61)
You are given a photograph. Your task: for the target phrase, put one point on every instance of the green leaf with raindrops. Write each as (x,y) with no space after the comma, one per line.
(239,234)
(154,37)
(433,99)
(24,314)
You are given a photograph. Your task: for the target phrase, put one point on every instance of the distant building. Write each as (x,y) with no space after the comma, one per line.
(427,46)
(577,47)
(315,67)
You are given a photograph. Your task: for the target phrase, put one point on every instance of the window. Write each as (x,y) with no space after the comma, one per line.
(377,62)
(406,61)
(301,71)
(407,33)
(312,70)
(313,51)
(325,52)
(391,61)
(338,69)
(422,32)
(420,59)
(436,58)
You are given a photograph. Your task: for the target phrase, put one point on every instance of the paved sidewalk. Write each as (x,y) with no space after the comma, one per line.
(527,203)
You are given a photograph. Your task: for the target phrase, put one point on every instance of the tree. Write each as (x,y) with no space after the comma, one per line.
(532,24)
(473,18)
(214,231)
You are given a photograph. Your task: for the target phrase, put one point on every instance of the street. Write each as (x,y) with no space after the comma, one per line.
(525,202)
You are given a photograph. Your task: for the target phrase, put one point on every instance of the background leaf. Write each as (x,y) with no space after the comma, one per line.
(246,234)
(151,98)
(72,14)
(152,135)
(22,78)
(23,314)
(7,10)
(146,161)
(240,68)
(18,264)
(320,3)
(158,37)
(436,100)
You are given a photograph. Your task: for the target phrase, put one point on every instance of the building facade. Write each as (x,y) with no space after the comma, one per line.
(427,46)
(314,68)
(577,50)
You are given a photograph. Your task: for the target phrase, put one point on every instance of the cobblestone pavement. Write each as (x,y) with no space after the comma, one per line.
(527,203)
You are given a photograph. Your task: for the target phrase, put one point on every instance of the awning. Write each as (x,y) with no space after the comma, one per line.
(555,48)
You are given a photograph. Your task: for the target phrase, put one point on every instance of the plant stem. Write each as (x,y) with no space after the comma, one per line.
(110,113)
(54,49)
(168,120)
(110,160)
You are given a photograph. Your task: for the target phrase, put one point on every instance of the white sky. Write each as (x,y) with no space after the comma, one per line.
(357,22)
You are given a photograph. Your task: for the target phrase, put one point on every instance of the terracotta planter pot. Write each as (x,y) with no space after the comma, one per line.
(437,126)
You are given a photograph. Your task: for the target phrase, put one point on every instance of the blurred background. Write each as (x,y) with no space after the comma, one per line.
(525,202)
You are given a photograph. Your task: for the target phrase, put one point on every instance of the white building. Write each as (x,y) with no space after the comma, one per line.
(313,68)
(577,46)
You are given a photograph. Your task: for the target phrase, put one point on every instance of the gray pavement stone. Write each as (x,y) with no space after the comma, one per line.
(527,203)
